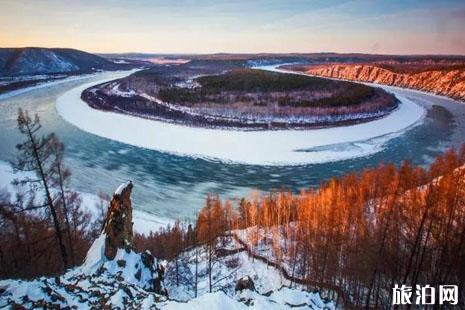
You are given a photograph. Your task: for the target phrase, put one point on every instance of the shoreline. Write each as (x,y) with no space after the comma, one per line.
(47,83)
(277,147)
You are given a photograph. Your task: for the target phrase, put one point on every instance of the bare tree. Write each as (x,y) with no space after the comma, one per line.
(60,175)
(36,155)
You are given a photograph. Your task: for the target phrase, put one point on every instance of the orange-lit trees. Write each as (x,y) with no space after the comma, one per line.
(359,234)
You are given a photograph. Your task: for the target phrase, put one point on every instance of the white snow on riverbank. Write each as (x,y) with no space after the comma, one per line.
(144,222)
(279,147)
(20,91)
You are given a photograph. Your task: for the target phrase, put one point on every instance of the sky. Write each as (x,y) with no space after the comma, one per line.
(211,26)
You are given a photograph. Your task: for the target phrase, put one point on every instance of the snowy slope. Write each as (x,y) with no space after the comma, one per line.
(114,276)
(232,263)
(36,60)
(124,283)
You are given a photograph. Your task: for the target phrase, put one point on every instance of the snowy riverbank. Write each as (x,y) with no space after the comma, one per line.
(46,83)
(280,147)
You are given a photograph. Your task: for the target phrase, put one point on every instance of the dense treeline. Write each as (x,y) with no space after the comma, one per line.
(412,68)
(285,89)
(265,81)
(362,233)
(29,246)
(349,96)
(260,80)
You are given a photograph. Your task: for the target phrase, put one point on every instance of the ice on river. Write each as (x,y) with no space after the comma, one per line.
(143,222)
(277,147)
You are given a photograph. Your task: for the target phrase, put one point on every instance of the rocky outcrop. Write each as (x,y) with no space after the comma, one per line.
(245,283)
(118,224)
(113,276)
(450,83)
(118,234)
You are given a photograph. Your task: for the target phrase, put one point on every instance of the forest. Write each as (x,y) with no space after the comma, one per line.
(287,89)
(356,236)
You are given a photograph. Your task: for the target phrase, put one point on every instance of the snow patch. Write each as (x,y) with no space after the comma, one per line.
(120,188)
(96,255)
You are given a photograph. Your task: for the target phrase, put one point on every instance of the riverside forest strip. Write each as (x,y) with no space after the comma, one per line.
(240,98)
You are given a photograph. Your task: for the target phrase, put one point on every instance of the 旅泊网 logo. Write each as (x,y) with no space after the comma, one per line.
(425,295)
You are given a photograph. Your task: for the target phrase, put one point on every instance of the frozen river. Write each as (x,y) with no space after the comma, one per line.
(173,167)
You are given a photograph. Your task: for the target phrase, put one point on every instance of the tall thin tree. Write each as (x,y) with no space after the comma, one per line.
(35,155)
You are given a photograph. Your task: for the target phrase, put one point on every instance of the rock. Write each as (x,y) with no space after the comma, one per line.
(119,235)
(121,263)
(138,274)
(157,270)
(157,287)
(118,224)
(245,283)
(147,259)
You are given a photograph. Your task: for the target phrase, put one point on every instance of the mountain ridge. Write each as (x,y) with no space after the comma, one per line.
(39,60)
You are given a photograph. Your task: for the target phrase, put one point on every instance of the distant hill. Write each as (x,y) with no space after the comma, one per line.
(37,60)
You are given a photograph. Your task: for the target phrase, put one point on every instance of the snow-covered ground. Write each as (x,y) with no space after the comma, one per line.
(284,298)
(122,283)
(279,147)
(226,271)
(144,222)
(44,84)
(126,282)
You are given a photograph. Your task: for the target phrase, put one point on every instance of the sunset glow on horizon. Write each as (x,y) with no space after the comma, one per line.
(363,26)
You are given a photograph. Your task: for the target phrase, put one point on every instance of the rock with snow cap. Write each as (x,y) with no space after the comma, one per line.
(118,224)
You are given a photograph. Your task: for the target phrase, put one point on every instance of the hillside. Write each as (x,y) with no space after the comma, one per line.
(328,249)
(442,80)
(36,60)
(114,276)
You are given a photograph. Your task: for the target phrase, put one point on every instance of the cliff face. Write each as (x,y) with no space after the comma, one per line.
(450,83)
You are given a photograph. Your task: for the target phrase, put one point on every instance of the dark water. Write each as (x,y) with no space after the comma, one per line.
(175,186)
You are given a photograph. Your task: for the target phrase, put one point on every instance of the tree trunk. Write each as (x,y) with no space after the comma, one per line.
(56,224)
(65,211)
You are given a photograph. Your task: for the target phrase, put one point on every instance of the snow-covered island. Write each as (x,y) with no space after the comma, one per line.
(262,147)
(236,97)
